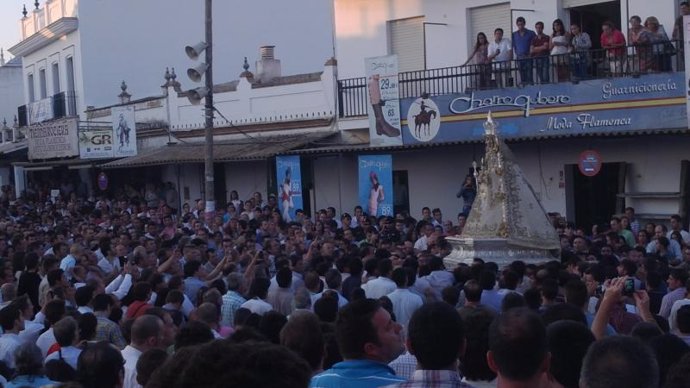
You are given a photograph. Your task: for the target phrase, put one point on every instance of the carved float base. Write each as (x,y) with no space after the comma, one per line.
(498,250)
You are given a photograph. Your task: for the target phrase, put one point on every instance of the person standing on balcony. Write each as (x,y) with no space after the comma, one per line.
(539,49)
(678,27)
(581,43)
(560,42)
(614,42)
(500,54)
(657,51)
(633,40)
(522,42)
(478,61)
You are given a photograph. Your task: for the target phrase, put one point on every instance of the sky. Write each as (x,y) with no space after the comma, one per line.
(10,13)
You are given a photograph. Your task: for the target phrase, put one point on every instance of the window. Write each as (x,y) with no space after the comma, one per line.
(487,19)
(70,74)
(42,83)
(406,39)
(30,86)
(56,78)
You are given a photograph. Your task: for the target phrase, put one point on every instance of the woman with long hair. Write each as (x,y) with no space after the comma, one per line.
(479,63)
(560,46)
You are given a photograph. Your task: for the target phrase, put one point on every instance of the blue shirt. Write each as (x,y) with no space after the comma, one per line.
(356,374)
(522,42)
(30,381)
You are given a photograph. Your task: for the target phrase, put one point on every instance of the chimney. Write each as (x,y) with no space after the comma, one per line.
(267,68)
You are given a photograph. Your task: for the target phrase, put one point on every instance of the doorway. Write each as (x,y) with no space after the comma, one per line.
(401,194)
(220,191)
(594,199)
(591,17)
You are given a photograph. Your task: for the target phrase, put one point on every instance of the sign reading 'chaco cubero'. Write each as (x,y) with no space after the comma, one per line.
(655,101)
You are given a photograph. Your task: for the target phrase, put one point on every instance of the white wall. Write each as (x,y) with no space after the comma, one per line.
(361,32)
(59,51)
(136,40)
(11,93)
(435,174)
(246,178)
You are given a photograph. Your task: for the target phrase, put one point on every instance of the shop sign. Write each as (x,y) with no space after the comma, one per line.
(612,105)
(53,139)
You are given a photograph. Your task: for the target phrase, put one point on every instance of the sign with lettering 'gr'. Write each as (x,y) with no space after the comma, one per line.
(589,163)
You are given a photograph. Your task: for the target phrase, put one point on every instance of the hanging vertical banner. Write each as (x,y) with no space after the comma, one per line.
(124,131)
(686,59)
(384,101)
(289,180)
(376,184)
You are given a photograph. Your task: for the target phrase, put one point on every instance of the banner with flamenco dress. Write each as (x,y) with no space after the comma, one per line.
(376,184)
(289,182)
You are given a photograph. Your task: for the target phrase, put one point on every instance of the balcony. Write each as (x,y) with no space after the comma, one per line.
(63,104)
(572,67)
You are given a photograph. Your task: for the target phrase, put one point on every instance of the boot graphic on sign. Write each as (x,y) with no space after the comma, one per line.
(382,126)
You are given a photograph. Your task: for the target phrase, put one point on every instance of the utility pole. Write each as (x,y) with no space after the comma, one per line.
(208,161)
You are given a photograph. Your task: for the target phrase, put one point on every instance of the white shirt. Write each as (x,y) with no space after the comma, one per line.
(67,264)
(505,47)
(257,306)
(683,234)
(405,303)
(45,341)
(9,343)
(673,325)
(70,355)
(421,244)
(32,330)
(131,356)
(119,286)
(107,267)
(376,288)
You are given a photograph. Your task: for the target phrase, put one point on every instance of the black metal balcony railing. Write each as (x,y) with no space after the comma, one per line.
(571,67)
(64,105)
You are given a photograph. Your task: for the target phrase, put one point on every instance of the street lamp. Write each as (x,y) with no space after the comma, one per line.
(205,70)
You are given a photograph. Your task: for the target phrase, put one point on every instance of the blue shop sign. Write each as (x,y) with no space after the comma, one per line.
(650,102)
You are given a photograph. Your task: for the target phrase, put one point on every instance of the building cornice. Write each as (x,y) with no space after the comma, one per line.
(45,36)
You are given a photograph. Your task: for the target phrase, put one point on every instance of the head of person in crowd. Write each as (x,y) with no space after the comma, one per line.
(147,333)
(619,361)
(518,350)
(193,333)
(436,337)
(365,330)
(148,362)
(302,334)
(668,349)
(100,365)
(568,342)
(234,365)
(28,360)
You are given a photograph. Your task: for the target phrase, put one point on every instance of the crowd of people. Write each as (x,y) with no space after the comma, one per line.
(532,56)
(127,292)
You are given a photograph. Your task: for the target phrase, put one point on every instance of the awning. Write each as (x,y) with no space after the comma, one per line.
(72,164)
(251,148)
(365,147)
(9,147)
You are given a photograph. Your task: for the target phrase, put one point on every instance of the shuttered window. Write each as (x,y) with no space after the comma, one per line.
(406,39)
(487,19)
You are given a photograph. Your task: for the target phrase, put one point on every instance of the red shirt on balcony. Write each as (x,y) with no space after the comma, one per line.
(613,40)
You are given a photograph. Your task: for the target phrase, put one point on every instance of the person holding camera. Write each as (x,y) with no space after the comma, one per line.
(612,309)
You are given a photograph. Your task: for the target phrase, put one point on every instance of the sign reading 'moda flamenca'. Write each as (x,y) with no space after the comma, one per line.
(655,101)
(53,139)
